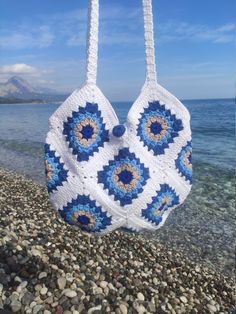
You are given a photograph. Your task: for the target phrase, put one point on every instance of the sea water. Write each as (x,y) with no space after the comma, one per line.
(203,227)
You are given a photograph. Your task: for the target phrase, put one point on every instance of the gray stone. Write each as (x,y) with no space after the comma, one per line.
(75,300)
(22,285)
(42,275)
(212,308)
(61,283)
(151,307)
(37,308)
(139,307)
(15,306)
(70,293)
(36,252)
(27,298)
(44,291)
(140,296)
(95,308)
(4,279)
(103,284)
(123,308)
(13,264)
(183,299)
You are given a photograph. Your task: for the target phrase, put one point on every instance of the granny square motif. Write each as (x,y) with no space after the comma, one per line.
(103,175)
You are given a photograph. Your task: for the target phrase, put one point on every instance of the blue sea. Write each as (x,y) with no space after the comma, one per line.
(23,130)
(204,226)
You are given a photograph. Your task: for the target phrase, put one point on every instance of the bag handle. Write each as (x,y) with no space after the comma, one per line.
(151,76)
(92,42)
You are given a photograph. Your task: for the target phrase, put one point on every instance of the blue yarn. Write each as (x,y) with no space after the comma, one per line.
(125,176)
(148,129)
(180,163)
(57,174)
(83,220)
(158,206)
(98,135)
(87,131)
(156,128)
(121,190)
(118,130)
(84,213)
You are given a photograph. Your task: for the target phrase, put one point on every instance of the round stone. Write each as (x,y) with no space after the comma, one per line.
(123,308)
(140,296)
(118,130)
(37,308)
(42,275)
(212,308)
(61,282)
(27,298)
(183,299)
(70,293)
(94,309)
(15,306)
(103,284)
(43,291)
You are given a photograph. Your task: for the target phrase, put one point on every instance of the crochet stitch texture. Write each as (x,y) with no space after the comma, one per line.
(102,175)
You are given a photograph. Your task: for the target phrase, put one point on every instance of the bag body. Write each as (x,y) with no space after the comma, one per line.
(102,175)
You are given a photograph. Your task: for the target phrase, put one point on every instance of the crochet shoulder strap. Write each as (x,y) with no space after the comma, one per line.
(92,41)
(151,76)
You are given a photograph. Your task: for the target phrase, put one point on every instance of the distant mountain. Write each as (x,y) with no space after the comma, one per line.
(18,88)
(19,101)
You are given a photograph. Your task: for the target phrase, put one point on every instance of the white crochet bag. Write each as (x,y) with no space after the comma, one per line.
(102,175)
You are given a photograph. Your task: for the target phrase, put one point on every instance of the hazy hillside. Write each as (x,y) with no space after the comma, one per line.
(17,89)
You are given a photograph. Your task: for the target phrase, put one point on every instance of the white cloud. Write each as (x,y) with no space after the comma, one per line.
(174,31)
(22,68)
(26,37)
(69,28)
(18,68)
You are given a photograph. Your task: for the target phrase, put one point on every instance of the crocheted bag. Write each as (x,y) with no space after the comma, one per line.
(102,175)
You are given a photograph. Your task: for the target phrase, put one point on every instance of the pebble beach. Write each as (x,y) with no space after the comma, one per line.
(49,267)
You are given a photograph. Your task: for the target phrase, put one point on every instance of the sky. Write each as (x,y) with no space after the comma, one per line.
(44,41)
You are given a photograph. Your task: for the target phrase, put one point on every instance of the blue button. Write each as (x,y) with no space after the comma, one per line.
(118,130)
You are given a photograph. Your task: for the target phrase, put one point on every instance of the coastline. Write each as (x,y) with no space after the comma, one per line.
(49,267)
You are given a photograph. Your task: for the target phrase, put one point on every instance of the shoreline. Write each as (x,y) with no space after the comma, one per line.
(49,267)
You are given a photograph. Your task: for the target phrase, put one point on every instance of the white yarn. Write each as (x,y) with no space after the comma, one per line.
(92,41)
(83,175)
(149,42)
